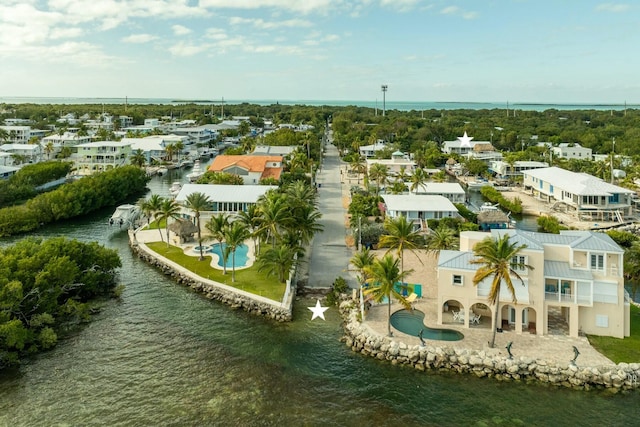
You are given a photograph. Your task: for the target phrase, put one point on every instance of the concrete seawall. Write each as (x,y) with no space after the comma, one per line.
(484,363)
(235,298)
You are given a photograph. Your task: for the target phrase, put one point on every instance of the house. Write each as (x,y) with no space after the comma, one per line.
(67,139)
(273,150)
(418,208)
(463,145)
(7,171)
(576,285)
(251,168)
(580,193)
(28,153)
(196,134)
(504,170)
(572,151)
(368,151)
(18,134)
(451,190)
(228,199)
(399,162)
(154,147)
(484,151)
(99,156)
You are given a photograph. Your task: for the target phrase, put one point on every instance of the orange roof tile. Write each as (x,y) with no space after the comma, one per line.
(252,163)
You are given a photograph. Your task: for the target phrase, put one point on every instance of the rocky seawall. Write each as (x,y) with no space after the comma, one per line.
(484,363)
(230,296)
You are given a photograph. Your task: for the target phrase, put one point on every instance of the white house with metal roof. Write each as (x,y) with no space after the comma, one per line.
(419,208)
(451,190)
(580,193)
(568,151)
(576,285)
(399,162)
(100,156)
(228,199)
(506,170)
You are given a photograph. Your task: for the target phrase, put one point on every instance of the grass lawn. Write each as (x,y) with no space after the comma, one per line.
(621,350)
(154,225)
(248,279)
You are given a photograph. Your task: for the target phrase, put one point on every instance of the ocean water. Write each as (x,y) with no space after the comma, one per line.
(389,105)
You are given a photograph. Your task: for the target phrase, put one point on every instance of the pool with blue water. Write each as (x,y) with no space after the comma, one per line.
(411,322)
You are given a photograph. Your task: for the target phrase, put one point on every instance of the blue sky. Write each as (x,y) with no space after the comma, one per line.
(566,51)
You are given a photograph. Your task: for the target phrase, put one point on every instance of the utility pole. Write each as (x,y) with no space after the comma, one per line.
(384,93)
(613,155)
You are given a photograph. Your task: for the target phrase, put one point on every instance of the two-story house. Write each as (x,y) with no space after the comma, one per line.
(572,151)
(583,194)
(252,169)
(418,208)
(576,285)
(451,190)
(100,156)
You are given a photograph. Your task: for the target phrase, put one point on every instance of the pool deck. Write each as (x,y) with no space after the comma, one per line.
(551,348)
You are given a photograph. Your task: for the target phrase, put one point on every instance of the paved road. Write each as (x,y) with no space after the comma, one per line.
(329,257)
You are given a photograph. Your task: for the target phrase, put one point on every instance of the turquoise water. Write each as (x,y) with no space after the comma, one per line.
(164,355)
(412,322)
(241,256)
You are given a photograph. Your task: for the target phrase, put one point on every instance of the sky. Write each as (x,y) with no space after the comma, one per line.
(547,51)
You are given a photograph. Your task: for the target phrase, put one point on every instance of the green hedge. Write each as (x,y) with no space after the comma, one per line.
(22,185)
(494,196)
(70,200)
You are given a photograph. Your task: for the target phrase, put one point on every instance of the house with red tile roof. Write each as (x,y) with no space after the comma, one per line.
(252,169)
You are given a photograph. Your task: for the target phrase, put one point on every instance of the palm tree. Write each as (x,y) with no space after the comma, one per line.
(251,219)
(441,238)
(154,207)
(495,257)
(198,202)
(48,149)
(169,209)
(217,226)
(178,146)
(138,159)
(362,260)
(379,173)
(234,236)
(304,223)
(401,236)
(384,275)
(275,213)
(359,166)
(277,261)
(418,180)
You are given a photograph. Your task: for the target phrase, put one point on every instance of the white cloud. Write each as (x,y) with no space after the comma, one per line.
(265,25)
(400,5)
(65,33)
(180,30)
(456,11)
(613,7)
(216,34)
(185,49)
(302,6)
(139,38)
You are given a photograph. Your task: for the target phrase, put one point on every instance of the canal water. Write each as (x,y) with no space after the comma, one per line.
(164,355)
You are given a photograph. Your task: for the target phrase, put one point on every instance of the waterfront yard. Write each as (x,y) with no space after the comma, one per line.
(621,350)
(247,279)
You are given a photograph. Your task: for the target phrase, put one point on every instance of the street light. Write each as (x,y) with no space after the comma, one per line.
(384,92)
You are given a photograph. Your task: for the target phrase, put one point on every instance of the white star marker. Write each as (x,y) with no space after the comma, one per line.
(465,141)
(318,310)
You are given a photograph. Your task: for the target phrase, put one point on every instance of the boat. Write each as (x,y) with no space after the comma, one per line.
(186,163)
(477,184)
(162,171)
(196,172)
(125,216)
(488,206)
(175,189)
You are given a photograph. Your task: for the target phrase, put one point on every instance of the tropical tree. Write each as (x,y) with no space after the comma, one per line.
(386,282)
(304,223)
(198,202)
(441,238)
(379,173)
(251,219)
(359,166)
(48,149)
(137,158)
(362,260)
(418,179)
(277,261)
(495,257)
(234,236)
(178,146)
(276,214)
(169,209)
(154,206)
(217,226)
(400,236)
(632,267)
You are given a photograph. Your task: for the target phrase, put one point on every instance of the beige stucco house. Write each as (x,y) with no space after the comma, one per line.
(576,285)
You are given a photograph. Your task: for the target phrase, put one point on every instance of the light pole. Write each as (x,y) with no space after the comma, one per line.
(384,93)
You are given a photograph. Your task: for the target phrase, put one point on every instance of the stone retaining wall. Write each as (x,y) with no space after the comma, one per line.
(234,298)
(484,363)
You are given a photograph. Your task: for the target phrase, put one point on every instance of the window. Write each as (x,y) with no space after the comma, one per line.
(518,262)
(457,280)
(597,262)
(602,321)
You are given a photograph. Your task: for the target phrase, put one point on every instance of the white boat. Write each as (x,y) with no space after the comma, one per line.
(125,216)
(162,171)
(477,184)
(196,172)
(175,189)
(487,206)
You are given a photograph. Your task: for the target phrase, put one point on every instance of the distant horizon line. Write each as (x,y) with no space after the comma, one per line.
(274,100)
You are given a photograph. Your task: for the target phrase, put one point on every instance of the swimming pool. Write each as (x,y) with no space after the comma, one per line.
(412,322)
(241,255)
